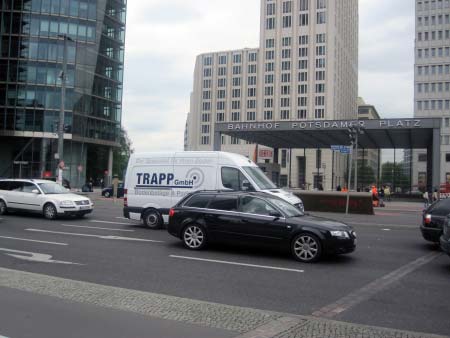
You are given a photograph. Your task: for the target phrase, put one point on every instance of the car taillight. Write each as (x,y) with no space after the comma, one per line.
(427,219)
(125,197)
(171,212)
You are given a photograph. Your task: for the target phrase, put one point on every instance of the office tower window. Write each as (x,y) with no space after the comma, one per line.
(303,20)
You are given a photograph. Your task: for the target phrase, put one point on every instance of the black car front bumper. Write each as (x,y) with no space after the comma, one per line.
(431,234)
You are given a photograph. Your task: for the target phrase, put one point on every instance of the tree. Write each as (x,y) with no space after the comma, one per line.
(366,176)
(393,174)
(122,154)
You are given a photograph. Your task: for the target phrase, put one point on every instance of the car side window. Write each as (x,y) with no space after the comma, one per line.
(28,187)
(233,178)
(4,185)
(254,205)
(226,203)
(15,186)
(198,201)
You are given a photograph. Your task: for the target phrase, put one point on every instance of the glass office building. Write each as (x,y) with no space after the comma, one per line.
(31,57)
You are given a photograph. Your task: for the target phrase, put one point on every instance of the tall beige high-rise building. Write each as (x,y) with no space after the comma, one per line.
(432,79)
(306,68)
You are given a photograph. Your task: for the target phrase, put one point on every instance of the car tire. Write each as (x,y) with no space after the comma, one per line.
(107,194)
(50,211)
(3,208)
(152,219)
(306,248)
(194,237)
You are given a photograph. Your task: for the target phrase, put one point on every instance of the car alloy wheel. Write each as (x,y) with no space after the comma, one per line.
(152,219)
(50,211)
(3,208)
(306,248)
(107,194)
(194,237)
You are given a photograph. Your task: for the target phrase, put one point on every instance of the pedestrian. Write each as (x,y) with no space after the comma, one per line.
(381,197)
(387,193)
(426,199)
(338,188)
(435,196)
(320,187)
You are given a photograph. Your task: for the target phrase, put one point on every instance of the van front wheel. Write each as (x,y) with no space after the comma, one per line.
(153,219)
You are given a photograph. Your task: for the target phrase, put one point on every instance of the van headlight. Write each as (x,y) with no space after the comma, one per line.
(67,204)
(340,234)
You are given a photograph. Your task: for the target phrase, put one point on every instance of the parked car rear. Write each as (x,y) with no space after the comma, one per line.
(433,220)
(445,238)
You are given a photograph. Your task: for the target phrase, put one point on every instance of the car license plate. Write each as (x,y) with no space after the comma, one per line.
(84,207)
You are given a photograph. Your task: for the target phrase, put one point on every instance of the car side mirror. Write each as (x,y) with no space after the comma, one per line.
(275,214)
(246,185)
(35,191)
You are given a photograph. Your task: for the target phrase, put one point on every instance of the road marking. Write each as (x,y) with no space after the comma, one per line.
(236,263)
(383,225)
(87,227)
(385,229)
(1,335)
(96,236)
(107,222)
(34,257)
(32,240)
(378,285)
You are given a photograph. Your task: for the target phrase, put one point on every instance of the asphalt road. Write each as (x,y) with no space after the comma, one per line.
(384,283)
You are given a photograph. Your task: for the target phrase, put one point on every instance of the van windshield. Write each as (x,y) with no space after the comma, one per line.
(260,179)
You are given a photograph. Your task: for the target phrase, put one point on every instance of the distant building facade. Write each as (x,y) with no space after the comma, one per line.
(306,68)
(432,81)
(368,157)
(31,57)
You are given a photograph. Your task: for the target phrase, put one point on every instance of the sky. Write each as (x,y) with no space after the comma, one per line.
(164,37)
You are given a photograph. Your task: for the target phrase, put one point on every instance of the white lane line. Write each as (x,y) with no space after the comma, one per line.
(87,227)
(32,240)
(95,236)
(383,225)
(107,222)
(1,335)
(236,263)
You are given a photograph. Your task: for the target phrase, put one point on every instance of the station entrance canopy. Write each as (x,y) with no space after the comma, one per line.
(377,134)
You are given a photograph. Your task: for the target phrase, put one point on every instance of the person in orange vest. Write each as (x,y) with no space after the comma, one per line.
(375,196)
(344,189)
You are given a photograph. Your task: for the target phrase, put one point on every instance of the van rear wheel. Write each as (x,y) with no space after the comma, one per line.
(153,219)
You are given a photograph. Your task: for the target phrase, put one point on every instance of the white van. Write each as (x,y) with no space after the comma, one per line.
(157,181)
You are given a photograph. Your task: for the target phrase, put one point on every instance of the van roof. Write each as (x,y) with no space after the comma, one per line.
(223,157)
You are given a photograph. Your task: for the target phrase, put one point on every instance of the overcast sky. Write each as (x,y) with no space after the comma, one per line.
(164,37)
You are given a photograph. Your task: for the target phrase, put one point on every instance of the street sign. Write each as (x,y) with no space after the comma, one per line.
(341,149)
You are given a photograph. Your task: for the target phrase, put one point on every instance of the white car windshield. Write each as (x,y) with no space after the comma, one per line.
(287,208)
(52,188)
(260,179)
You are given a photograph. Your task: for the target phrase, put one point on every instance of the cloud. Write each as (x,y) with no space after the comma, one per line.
(164,37)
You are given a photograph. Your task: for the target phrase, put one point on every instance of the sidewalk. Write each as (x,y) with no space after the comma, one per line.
(169,316)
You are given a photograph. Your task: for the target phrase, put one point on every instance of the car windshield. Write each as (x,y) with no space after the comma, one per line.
(288,209)
(52,188)
(260,179)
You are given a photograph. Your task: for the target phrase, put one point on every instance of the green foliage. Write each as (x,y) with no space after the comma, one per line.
(122,154)
(394,176)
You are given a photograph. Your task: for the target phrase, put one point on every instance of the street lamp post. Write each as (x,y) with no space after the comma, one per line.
(63,77)
(353,133)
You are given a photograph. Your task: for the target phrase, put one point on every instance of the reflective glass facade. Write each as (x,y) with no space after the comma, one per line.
(31,55)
